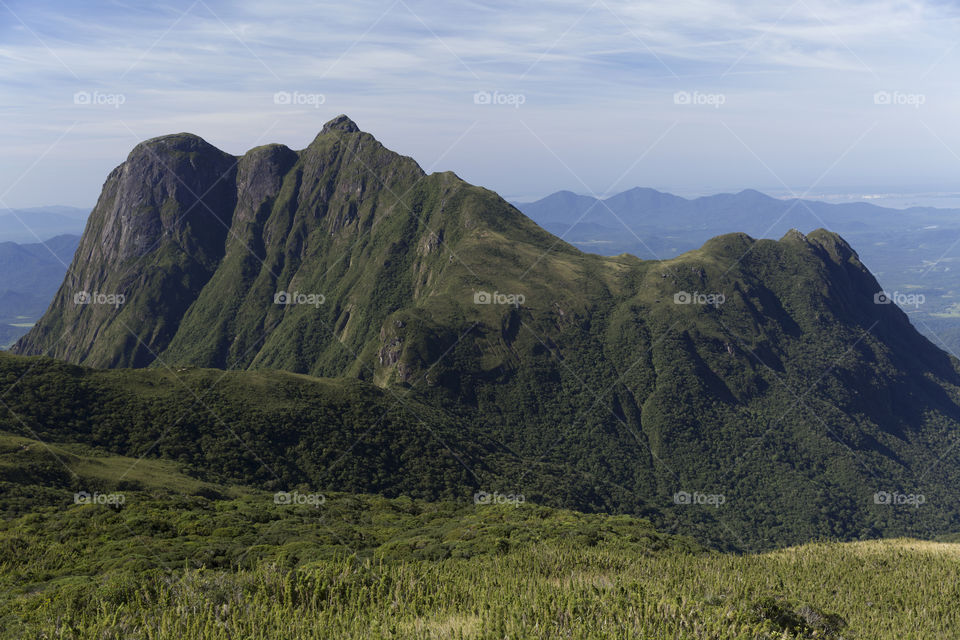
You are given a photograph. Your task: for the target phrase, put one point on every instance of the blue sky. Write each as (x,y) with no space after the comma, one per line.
(693,97)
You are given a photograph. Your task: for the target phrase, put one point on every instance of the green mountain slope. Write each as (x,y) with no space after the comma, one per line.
(757,375)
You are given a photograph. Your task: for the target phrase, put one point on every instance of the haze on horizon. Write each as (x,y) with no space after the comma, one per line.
(788,97)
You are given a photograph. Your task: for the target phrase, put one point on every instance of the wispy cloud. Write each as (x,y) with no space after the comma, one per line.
(597,80)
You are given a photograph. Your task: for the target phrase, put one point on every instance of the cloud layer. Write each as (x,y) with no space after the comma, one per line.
(523,98)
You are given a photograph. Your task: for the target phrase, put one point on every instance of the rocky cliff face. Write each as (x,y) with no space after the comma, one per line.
(150,246)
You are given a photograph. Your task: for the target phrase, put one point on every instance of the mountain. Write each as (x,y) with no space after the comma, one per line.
(200,242)
(912,251)
(33,224)
(30,275)
(755,392)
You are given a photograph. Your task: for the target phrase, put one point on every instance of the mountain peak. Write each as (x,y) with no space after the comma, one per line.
(341,123)
(177,142)
(834,243)
(794,234)
(753,194)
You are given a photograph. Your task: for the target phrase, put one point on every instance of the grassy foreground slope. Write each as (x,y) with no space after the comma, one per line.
(167,566)
(176,557)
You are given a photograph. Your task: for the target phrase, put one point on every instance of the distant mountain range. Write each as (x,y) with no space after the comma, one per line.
(30,275)
(911,251)
(752,392)
(754,213)
(35,247)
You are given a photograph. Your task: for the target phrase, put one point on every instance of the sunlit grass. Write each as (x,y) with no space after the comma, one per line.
(498,572)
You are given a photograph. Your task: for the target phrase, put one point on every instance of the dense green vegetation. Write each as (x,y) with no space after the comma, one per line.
(795,400)
(275,430)
(171,556)
(169,565)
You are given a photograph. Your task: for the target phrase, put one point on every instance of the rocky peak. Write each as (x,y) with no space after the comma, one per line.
(342,124)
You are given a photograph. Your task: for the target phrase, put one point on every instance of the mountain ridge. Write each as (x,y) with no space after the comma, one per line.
(911,251)
(664,210)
